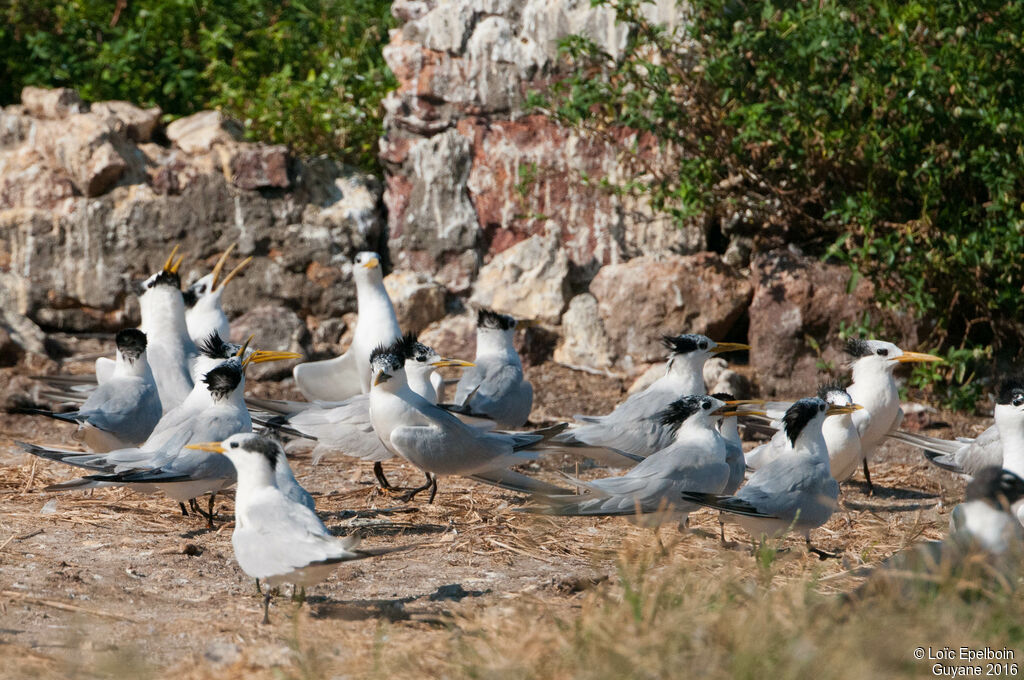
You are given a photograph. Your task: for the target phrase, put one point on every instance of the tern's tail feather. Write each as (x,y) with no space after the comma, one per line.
(350,544)
(89,461)
(70,417)
(278,425)
(278,407)
(514,481)
(944,461)
(941,446)
(78,484)
(736,506)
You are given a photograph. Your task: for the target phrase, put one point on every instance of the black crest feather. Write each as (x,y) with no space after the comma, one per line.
(214,347)
(190,297)
(223,380)
(798,415)
(1009,389)
(857,347)
(681,409)
(685,343)
(131,342)
(166,278)
(390,357)
(827,388)
(723,396)
(485,318)
(994,482)
(267,448)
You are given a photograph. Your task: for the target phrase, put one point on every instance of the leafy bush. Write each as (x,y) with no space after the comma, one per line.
(308,73)
(885,134)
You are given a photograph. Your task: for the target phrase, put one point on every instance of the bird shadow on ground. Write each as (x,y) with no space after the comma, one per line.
(895,493)
(888,507)
(390,609)
(388,529)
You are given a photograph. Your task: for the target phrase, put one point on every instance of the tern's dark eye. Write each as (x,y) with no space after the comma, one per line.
(821,407)
(882,352)
(703,345)
(1018,399)
(706,405)
(234,445)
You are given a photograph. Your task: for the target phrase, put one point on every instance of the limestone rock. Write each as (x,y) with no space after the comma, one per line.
(199,132)
(797,297)
(453,336)
(138,123)
(527,281)
(256,166)
(88,148)
(645,298)
(584,342)
(56,103)
(719,378)
(418,299)
(275,328)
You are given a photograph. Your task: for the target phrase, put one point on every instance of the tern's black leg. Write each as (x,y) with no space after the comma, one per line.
(378,472)
(431,484)
(721,527)
(822,554)
(194,506)
(298,594)
(207,514)
(433,487)
(184,512)
(258,590)
(867,476)
(266,607)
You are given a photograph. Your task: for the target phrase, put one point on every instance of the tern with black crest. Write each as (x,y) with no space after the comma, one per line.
(204,311)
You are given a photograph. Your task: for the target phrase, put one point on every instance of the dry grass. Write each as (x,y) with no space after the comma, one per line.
(117,585)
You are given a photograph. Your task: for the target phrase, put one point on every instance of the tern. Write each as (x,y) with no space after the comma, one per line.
(348,375)
(437,442)
(204,313)
(123,411)
(874,388)
(649,494)
(215,409)
(633,426)
(496,388)
(276,539)
(793,492)
(1001,445)
(345,427)
(842,439)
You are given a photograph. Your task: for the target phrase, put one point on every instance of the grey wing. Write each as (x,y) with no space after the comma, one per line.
(468,383)
(782,489)
(444,449)
(631,427)
(345,428)
(125,407)
(501,394)
(986,451)
(331,380)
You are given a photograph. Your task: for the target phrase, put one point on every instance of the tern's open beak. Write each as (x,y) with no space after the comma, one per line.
(839,410)
(219,267)
(371,264)
(913,357)
(729,347)
(262,356)
(170,259)
(234,272)
(214,447)
(741,402)
(727,412)
(241,350)
(452,362)
(381,378)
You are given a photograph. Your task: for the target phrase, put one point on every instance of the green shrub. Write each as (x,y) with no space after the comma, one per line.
(308,73)
(885,134)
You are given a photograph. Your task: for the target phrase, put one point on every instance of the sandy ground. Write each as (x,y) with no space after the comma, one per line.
(118,584)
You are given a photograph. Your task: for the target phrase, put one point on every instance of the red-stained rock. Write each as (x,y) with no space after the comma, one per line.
(256,166)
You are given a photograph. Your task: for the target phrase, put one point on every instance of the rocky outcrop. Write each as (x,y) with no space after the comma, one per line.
(471,171)
(645,298)
(799,306)
(419,300)
(527,281)
(271,327)
(88,203)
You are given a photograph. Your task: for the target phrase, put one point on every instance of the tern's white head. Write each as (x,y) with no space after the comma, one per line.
(495,333)
(421,364)
(881,356)
(367,269)
(255,458)
(689,351)
(803,420)
(694,411)
(1009,411)
(205,294)
(388,363)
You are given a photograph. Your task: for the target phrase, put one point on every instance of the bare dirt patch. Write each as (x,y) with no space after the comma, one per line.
(119,584)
